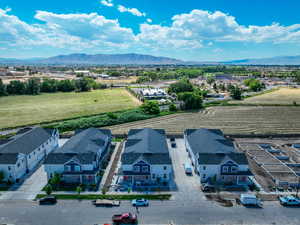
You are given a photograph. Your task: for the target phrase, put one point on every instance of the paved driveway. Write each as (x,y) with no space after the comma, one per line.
(29,188)
(188,187)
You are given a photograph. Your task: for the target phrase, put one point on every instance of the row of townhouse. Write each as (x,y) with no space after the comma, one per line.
(145,159)
(23,152)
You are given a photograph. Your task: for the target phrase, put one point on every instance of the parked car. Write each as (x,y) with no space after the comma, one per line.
(250,200)
(173,145)
(140,202)
(208,188)
(47,200)
(289,200)
(106,202)
(188,169)
(125,218)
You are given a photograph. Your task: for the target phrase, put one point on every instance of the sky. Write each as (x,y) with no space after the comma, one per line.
(193,30)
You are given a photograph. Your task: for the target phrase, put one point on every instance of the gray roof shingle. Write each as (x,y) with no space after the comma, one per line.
(146,144)
(216,159)
(208,141)
(8,158)
(27,141)
(212,147)
(85,141)
(83,146)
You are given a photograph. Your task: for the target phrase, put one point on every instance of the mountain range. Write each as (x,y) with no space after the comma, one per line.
(138,59)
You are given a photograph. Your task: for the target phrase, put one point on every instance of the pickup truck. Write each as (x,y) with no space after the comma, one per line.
(105,202)
(125,218)
(289,201)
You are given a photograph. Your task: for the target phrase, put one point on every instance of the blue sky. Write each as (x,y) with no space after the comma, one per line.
(190,30)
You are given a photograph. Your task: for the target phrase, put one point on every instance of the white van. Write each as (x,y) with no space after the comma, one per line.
(188,169)
(250,200)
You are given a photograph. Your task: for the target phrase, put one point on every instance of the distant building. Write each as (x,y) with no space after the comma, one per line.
(84,72)
(153,93)
(79,160)
(24,151)
(215,158)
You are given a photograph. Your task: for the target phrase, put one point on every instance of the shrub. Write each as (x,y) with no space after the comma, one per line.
(172,108)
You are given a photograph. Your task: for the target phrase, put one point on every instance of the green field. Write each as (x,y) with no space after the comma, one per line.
(25,110)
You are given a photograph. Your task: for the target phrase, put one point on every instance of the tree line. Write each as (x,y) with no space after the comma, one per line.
(35,86)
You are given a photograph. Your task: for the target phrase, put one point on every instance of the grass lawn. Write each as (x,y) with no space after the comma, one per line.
(26,109)
(282,96)
(114,197)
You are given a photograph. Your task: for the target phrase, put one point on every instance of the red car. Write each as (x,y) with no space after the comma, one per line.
(125,218)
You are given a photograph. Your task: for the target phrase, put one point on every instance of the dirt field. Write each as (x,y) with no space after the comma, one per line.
(26,109)
(231,119)
(283,96)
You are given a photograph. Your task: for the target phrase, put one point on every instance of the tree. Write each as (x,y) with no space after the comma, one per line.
(2,89)
(55,180)
(150,107)
(191,100)
(78,190)
(111,115)
(66,85)
(297,77)
(143,79)
(48,189)
(2,175)
(236,93)
(254,85)
(33,86)
(49,85)
(84,84)
(182,85)
(210,80)
(16,87)
(172,108)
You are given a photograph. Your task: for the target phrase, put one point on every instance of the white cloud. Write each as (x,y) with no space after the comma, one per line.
(81,31)
(107,3)
(133,11)
(191,29)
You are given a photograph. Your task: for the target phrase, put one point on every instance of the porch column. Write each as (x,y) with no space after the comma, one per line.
(81,179)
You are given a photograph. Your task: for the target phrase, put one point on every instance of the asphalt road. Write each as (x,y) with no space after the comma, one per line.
(84,213)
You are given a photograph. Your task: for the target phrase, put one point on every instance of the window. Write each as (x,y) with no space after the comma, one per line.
(204,176)
(165,176)
(77,168)
(145,169)
(165,168)
(29,156)
(225,169)
(153,176)
(9,168)
(204,167)
(18,165)
(33,153)
(136,168)
(233,169)
(67,168)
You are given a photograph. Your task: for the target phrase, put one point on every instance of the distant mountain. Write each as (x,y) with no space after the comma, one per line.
(107,59)
(279,60)
(138,59)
